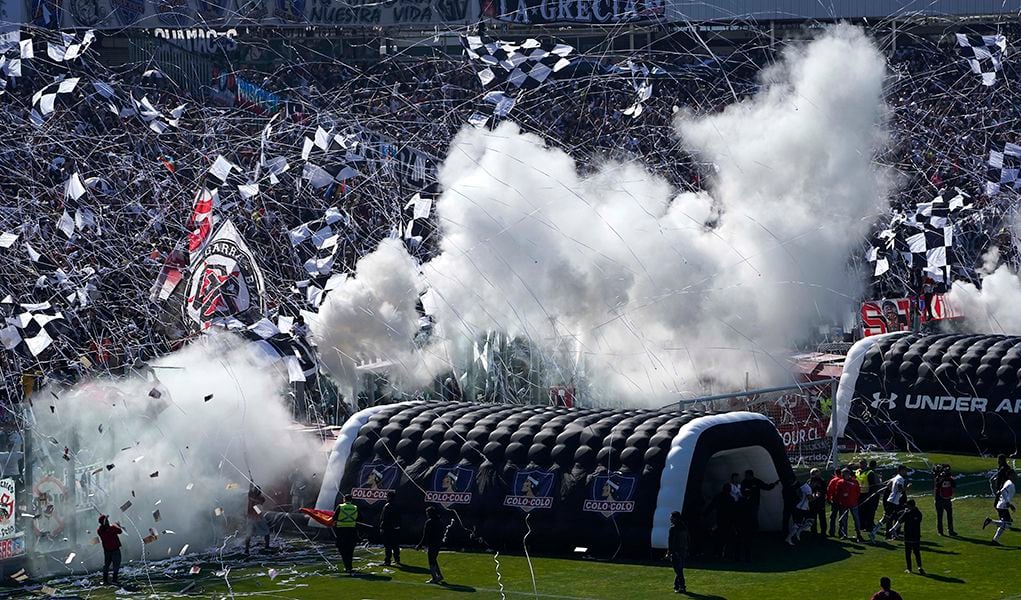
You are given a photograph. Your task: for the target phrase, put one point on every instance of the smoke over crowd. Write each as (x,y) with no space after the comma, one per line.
(660,291)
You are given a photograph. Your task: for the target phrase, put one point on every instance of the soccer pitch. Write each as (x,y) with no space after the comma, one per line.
(964,567)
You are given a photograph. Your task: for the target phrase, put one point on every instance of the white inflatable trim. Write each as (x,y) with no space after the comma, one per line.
(674,479)
(341,452)
(849,379)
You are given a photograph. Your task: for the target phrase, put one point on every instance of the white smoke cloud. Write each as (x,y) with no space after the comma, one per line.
(213,447)
(659,290)
(993,307)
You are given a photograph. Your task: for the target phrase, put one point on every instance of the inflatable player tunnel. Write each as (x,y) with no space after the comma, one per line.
(606,480)
(957,393)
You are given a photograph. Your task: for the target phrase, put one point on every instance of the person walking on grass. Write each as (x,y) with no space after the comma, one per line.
(885,593)
(803,519)
(677,549)
(109,536)
(390,529)
(912,521)
(895,501)
(432,539)
(345,520)
(1004,505)
(943,487)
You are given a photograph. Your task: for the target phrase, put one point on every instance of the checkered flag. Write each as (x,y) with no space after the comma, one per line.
(290,347)
(524,66)
(330,158)
(317,242)
(44,101)
(925,239)
(30,328)
(1003,168)
(984,54)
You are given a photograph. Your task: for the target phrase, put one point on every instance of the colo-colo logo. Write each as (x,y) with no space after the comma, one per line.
(944,403)
(532,489)
(451,485)
(375,481)
(611,494)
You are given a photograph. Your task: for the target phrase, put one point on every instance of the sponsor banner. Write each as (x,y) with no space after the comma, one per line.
(801,418)
(7,505)
(450,486)
(225,279)
(589,12)
(375,481)
(611,494)
(532,489)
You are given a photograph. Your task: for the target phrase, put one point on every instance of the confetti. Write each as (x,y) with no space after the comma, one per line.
(126,506)
(184,549)
(70,557)
(194,571)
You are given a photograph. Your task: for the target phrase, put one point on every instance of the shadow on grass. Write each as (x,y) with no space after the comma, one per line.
(370,576)
(701,596)
(943,578)
(413,569)
(780,558)
(984,542)
(453,587)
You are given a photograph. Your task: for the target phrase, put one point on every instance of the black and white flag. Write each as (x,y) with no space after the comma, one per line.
(1002,169)
(925,239)
(330,158)
(524,66)
(31,328)
(984,54)
(274,343)
(317,242)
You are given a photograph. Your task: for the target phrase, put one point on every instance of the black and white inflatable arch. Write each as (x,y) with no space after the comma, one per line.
(602,479)
(958,393)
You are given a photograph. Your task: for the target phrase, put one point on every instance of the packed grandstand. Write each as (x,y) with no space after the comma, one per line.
(596,205)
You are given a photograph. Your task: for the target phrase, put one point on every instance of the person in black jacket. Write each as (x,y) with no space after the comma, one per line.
(390,529)
(677,548)
(432,539)
(912,521)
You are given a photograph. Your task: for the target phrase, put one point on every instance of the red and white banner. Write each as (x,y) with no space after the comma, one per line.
(895,314)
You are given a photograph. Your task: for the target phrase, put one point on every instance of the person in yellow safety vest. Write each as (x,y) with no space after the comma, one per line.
(344,520)
(870,492)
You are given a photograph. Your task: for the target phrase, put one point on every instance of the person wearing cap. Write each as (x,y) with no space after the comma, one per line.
(109,536)
(390,530)
(345,519)
(432,539)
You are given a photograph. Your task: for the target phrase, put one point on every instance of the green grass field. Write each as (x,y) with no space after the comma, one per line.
(964,567)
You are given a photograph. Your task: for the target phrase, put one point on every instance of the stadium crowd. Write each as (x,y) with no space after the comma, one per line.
(102,275)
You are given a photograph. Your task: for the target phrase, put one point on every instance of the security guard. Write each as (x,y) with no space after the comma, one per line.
(344,520)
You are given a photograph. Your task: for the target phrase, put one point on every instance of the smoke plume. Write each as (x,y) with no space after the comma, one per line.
(660,292)
(185,445)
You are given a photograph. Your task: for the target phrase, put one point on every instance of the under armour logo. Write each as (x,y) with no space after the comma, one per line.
(887,403)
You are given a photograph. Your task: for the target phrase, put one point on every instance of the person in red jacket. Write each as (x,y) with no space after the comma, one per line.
(108,535)
(831,497)
(848,494)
